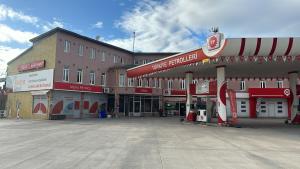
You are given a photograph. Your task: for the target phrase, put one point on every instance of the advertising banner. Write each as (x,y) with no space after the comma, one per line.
(38,80)
(233,105)
(207,87)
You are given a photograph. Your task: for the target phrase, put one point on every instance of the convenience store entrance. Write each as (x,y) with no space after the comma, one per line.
(139,105)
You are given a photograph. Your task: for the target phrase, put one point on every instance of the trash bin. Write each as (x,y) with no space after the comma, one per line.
(103,114)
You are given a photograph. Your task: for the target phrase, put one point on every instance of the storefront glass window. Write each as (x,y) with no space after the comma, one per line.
(147,105)
(155,105)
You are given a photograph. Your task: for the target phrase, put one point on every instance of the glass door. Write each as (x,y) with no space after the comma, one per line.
(137,106)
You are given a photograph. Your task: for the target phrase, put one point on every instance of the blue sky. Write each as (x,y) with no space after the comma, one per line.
(78,16)
(160,26)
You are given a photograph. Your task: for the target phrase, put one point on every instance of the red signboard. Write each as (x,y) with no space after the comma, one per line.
(269,92)
(77,87)
(167,63)
(33,65)
(143,90)
(233,106)
(178,92)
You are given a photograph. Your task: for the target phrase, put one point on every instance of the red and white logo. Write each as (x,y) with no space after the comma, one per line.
(214,41)
(287,92)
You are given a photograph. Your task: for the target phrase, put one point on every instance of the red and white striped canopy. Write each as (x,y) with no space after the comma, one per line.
(280,54)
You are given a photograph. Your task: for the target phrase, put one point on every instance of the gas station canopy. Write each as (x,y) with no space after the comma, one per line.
(242,57)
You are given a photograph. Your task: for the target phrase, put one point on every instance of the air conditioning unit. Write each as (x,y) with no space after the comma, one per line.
(106,90)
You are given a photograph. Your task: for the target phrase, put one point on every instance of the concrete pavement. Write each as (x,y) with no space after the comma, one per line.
(150,143)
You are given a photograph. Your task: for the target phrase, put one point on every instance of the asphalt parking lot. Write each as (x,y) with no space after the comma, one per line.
(152,143)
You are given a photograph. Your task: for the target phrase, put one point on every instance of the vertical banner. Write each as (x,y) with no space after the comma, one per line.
(233,104)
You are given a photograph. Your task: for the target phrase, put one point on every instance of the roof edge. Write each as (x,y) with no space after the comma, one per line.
(27,50)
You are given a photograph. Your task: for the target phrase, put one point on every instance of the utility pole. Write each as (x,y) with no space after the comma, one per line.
(133,41)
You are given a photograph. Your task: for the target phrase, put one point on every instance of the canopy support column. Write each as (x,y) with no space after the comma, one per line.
(221,94)
(189,96)
(294,117)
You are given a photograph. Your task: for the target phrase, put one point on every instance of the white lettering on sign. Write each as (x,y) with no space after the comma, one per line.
(34,65)
(175,61)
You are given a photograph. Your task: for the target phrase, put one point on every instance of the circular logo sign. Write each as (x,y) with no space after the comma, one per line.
(287,92)
(213,41)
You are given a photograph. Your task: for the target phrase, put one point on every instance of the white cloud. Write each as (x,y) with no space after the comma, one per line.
(175,25)
(8,34)
(99,24)
(55,23)
(7,12)
(6,55)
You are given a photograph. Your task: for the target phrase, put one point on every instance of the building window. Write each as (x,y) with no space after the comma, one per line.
(182,84)
(144,61)
(170,84)
(262,84)
(280,84)
(115,59)
(195,82)
(136,62)
(92,53)
(103,79)
(79,76)
(67,46)
(242,85)
(147,84)
(130,82)
(122,80)
(155,84)
(103,56)
(92,77)
(159,83)
(121,60)
(140,83)
(80,50)
(66,73)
